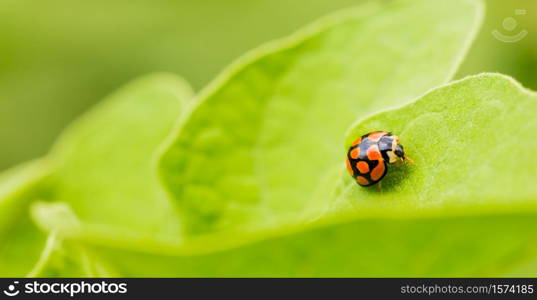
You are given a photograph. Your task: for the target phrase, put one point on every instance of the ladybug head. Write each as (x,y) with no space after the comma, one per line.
(399,151)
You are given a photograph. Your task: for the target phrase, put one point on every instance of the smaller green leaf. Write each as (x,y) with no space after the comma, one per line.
(104,162)
(21,242)
(61,259)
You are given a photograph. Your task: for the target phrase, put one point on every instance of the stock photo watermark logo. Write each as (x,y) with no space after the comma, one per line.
(510,24)
(66,288)
(12,289)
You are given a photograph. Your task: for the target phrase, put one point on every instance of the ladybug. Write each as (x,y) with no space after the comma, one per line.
(370,154)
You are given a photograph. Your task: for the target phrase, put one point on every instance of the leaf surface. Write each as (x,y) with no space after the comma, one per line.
(422,223)
(105,165)
(264,139)
(21,242)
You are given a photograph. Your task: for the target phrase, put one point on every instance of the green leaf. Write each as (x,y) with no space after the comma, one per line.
(103,167)
(478,221)
(473,143)
(104,163)
(20,241)
(263,141)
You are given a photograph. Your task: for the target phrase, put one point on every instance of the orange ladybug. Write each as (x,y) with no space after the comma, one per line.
(370,154)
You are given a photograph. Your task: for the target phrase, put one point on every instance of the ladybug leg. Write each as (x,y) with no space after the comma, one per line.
(379,186)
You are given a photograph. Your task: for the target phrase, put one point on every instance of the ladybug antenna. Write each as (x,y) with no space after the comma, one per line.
(410,161)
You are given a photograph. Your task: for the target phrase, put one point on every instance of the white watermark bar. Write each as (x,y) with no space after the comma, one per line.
(266,288)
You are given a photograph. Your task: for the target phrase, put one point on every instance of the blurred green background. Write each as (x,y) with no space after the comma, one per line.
(59,57)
